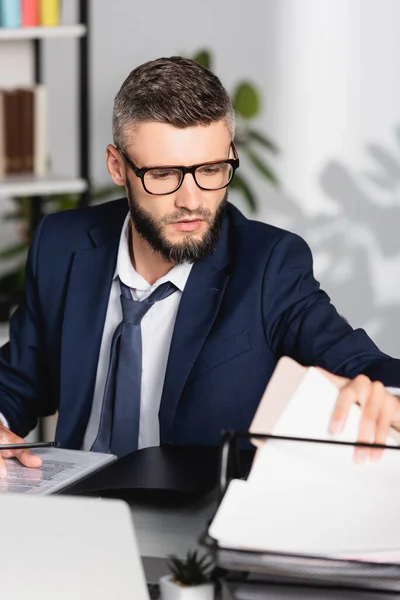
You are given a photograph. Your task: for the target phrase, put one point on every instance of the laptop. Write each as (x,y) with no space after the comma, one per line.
(61,547)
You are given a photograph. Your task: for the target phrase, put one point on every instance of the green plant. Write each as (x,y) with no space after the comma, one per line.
(12,283)
(193,570)
(249,141)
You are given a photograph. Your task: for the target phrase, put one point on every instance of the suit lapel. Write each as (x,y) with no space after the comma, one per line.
(198,309)
(86,304)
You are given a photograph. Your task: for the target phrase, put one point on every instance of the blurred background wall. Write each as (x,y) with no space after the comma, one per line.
(328,72)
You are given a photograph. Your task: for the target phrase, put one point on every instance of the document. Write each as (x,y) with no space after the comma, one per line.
(311,499)
(59,470)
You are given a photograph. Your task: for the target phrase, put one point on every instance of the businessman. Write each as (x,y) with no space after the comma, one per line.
(159,318)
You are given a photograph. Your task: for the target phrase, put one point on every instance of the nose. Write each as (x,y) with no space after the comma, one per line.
(189,194)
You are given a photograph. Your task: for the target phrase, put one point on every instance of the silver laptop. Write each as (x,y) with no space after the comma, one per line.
(60,547)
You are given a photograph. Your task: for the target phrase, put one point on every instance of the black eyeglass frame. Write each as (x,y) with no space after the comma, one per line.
(234,162)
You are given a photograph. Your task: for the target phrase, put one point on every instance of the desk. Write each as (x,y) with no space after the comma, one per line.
(164,530)
(172,495)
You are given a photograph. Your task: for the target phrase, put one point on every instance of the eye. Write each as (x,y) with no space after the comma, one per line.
(161,173)
(211,169)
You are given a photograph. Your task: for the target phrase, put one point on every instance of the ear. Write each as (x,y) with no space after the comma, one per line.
(115,165)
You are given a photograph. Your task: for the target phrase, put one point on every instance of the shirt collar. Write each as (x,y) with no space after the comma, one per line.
(178,275)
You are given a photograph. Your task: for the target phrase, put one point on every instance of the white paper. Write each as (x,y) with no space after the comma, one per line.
(60,468)
(299,509)
(313,499)
(310,410)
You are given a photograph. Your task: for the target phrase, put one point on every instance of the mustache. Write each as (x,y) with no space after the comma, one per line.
(184,213)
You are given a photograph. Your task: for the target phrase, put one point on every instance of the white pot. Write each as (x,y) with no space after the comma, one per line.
(173,591)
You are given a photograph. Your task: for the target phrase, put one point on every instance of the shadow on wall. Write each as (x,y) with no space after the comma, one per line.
(357,251)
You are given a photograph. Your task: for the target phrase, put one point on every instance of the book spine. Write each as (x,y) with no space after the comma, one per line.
(29,139)
(25,130)
(19,141)
(10,13)
(29,13)
(11,140)
(2,137)
(7,131)
(39,130)
(49,13)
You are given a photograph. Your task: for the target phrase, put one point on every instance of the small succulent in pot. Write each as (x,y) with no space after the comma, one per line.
(190,579)
(193,570)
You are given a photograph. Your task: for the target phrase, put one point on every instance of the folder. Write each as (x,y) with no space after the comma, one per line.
(180,472)
(306,513)
(261,566)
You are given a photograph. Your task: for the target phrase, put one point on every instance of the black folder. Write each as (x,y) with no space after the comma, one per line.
(167,472)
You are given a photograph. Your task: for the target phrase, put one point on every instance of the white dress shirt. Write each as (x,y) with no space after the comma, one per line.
(157,327)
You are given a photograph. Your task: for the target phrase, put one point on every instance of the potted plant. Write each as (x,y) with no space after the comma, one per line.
(252,143)
(190,578)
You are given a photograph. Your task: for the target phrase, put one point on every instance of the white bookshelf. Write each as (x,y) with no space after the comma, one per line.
(16,57)
(26,185)
(21,65)
(40,33)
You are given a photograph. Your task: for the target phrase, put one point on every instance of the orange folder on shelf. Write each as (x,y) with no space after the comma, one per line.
(29,13)
(49,13)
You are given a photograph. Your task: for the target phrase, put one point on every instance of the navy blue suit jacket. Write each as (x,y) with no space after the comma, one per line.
(254,300)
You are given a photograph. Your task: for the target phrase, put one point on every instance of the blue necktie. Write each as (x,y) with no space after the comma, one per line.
(120,417)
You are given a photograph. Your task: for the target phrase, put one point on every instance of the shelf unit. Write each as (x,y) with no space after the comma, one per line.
(26,185)
(40,33)
(37,187)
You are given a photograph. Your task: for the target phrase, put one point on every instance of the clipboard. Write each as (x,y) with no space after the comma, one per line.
(262,567)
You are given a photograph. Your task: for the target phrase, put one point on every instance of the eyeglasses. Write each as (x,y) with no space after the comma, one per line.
(211,176)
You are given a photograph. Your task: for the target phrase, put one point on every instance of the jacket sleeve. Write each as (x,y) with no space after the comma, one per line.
(301,322)
(23,376)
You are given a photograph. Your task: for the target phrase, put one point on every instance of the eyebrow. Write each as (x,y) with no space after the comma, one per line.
(171,166)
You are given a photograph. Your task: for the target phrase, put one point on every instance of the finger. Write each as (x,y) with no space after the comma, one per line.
(23,455)
(346,399)
(3,468)
(7,437)
(356,391)
(28,459)
(383,425)
(369,418)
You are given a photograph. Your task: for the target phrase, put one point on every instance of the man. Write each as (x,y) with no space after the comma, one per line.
(163,324)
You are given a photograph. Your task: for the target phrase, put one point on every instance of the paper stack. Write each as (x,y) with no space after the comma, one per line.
(308,510)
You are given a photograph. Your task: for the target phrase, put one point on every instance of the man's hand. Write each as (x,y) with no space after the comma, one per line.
(380,411)
(24,456)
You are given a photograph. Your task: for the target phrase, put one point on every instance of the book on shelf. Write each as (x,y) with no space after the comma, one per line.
(49,13)
(29,13)
(23,131)
(10,13)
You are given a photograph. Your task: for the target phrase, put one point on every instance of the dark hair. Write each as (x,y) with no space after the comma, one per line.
(174,90)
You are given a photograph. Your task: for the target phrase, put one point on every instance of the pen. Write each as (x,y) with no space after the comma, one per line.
(24,445)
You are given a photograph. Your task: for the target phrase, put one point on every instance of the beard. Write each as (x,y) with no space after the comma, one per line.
(189,249)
